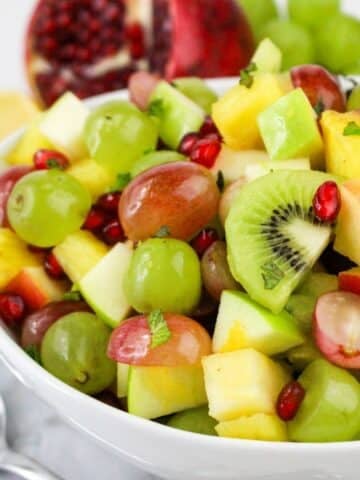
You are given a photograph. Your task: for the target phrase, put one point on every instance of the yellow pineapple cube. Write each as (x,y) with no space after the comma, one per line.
(92,176)
(341,151)
(235,113)
(242,383)
(256,427)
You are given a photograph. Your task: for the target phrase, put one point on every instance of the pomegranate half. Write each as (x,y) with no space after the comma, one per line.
(93,46)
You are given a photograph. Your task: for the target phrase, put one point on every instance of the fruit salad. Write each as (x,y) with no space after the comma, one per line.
(194,259)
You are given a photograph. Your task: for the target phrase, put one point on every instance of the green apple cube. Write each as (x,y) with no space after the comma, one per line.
(254,171)
(330,411)
(177,114)
(196,89)
(195,420)
(289,128)
(267,57)
(242,383)
(242,323)
(122,382)
(63,126)
(154,392)
(102,286)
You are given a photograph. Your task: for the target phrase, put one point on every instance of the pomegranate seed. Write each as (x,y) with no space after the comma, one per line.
(95,220)
(113,233)
(188,142)
(327,202)
(53,267)
(289,400)
(204,240)
(37,250)
(134,33)
(110,201)
(12,309)
(209,127)
(47,159)
(205,151)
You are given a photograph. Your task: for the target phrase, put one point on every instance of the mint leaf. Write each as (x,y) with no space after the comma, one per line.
(319,107)
(159,329)
(163,232)
(271,275)
(220,181)
(156,107)
(73,296)
(246,75)
(34,352)
(122,180)
(352,128)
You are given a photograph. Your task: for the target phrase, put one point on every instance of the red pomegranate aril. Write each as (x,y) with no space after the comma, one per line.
(290,400)
(209,127)
(47,159)
(12,309)
(327,202)
(188,143)
(204,240)
(113,233)
(95,220)
(53,267)
(110,201)
(205,151)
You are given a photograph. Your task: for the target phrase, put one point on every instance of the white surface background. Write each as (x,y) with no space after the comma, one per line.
(34,428)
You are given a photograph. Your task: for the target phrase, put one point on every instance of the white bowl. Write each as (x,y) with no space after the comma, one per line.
(170,453)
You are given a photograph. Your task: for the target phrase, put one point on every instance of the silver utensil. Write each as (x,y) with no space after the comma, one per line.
(12,462)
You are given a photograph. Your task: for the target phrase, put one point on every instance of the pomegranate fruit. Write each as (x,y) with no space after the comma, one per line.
(93,46)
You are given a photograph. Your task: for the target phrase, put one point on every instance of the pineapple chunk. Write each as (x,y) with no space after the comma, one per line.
(16,111)
(244,382)
(341,152)
(235,114)
(92,176)
(79,253)
(14,256)
(257,427)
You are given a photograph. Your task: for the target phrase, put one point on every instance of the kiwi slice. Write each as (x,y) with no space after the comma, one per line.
(272,235)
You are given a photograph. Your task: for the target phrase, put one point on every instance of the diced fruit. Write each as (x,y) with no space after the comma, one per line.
(271,225)
(16,111)
(12,309)
(242,383)
(176,113)
(290,400)
(153,159)
(268,57)
(318,283)
(241,323)
(330,411)
(341,151)
(348,223)
(102,287)
(148,398)
(92,176)
(164,274)
(122,380)
(235,114)
(300,357)
(8,178)
(184,341)
(302,307)
(79,253)
(196,420)
(349,281)
(353,102)
(63,126)
(260,426)
(259,12)
(14,256)
(337,328)
(196,89)
(285,136)
(312,14)
(206,150)
(36,288)
(74,350)
(327,202)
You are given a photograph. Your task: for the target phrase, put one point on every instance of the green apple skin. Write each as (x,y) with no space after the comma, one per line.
(196,420)
(197,90)
(153,159)
(330,411)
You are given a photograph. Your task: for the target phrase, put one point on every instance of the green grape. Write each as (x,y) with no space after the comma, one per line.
(74,350)
(337,43)
(195,420)
(353,102)
(259,12)
(153,159)
(46,206)
(197,90)
(311,13)
(117,134)
(164,274)
(294,41)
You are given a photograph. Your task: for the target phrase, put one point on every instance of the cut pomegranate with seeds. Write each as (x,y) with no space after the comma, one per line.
(327,202)
(209,127)
(204,240)
(110,201)
(47,159)
(188,143)
(113,233)
(95,220)
(12,309)
(290,400)
(206,150)
(337,328)
(53,267)
(93,46)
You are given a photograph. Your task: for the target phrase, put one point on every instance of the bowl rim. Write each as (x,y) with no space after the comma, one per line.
(17,360)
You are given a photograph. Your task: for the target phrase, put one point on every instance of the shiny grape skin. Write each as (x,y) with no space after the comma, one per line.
(7,181)
(182,196)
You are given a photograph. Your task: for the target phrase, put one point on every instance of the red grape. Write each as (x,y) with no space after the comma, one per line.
(7,182)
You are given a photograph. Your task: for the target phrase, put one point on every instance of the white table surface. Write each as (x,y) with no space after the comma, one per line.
(34,428)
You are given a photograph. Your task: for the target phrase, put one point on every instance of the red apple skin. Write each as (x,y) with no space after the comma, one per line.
(349,281)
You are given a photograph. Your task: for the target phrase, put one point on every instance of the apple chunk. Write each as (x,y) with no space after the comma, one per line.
(349,281)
